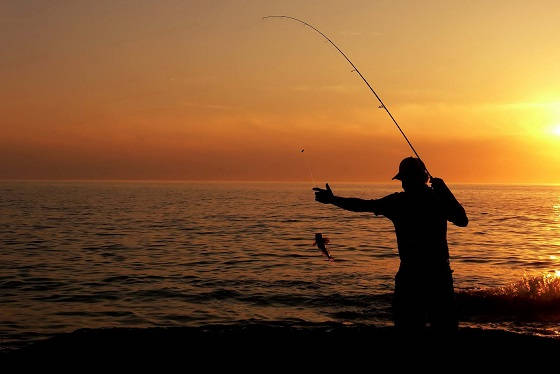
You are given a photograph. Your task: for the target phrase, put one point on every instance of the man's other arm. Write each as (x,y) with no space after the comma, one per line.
(455,211)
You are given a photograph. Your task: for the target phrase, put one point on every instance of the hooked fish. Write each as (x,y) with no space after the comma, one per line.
(321,242)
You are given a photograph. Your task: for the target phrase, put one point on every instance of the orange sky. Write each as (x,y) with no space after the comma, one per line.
(207,90)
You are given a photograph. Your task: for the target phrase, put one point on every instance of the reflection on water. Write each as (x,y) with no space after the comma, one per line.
(144,254)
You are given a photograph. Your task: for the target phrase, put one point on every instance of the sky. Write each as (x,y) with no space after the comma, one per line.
(208,90)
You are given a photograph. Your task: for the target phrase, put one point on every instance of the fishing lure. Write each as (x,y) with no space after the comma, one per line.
(321,242)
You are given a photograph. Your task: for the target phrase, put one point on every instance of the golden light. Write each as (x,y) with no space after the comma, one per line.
(556,130)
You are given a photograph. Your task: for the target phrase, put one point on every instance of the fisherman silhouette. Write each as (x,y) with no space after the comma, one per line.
(424,284)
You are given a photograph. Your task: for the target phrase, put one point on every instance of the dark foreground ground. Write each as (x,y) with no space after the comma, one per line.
(277,344)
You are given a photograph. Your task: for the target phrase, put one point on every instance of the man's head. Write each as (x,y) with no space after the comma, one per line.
(412,173)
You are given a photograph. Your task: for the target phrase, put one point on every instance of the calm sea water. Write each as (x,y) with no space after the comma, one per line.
(98,254)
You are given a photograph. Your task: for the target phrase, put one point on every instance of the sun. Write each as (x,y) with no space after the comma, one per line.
(556,130)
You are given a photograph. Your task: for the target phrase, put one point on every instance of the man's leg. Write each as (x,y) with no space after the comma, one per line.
(409,314)
(443,309)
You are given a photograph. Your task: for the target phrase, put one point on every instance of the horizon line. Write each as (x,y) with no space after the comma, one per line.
(165,180)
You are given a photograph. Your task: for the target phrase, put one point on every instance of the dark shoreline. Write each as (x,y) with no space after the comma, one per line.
(267,340)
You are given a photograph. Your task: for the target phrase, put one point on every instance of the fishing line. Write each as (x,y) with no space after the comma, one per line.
(382,106)
(308,167)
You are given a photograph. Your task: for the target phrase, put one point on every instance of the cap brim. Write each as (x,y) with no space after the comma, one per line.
(398,177)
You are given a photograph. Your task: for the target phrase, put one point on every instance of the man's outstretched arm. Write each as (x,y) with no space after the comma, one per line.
(352,204)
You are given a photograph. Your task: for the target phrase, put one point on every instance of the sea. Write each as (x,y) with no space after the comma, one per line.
(77,254)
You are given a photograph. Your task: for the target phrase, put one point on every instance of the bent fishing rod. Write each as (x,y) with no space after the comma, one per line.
(382,106)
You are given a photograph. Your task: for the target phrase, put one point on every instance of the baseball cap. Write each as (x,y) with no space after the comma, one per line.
(410,166)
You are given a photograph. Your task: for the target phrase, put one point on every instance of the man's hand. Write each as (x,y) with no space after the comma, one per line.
(438,184)
(441,188)
(324,196)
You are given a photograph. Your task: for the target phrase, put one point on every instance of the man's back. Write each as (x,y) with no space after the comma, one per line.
(420,222)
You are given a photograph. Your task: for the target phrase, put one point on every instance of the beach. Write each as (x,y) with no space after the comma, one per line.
(249,344)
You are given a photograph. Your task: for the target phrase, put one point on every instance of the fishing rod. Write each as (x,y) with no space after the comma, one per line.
(382,106)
